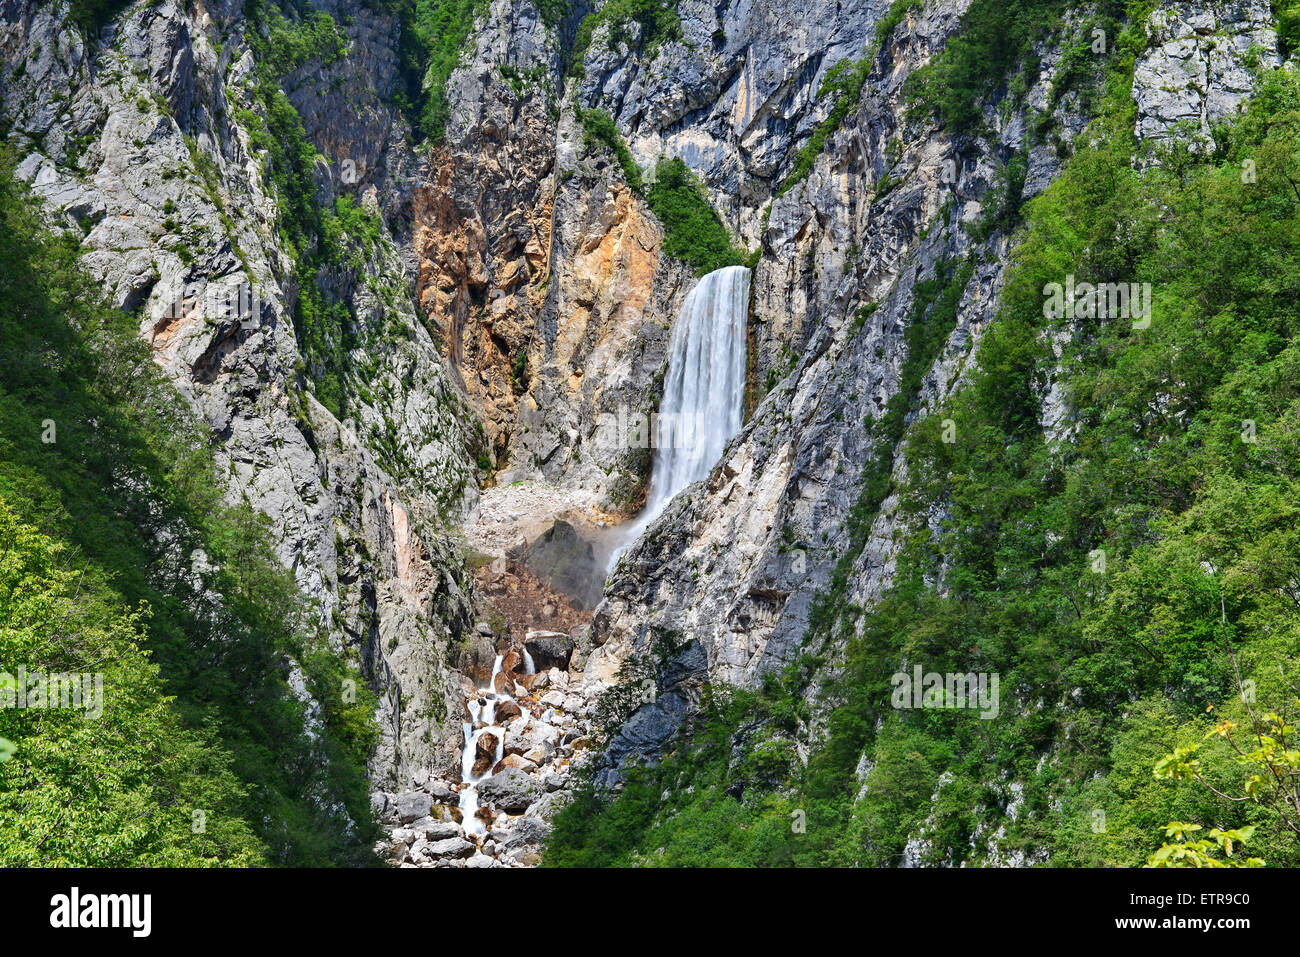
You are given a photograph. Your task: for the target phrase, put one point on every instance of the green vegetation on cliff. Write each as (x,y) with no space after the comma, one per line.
(693,230)
(120,556)
(435,36)
(641,24)
(1128,573)
(320,238)
(844,82)
(94,15)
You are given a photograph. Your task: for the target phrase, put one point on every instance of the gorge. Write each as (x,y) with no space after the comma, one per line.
(368,581)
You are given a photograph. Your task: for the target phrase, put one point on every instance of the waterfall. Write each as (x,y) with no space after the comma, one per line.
(704,390)
(482,720)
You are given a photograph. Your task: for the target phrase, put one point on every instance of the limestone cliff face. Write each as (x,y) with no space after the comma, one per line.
(133,137)
(542,270)
(735,562)
(518,294)
(735,96)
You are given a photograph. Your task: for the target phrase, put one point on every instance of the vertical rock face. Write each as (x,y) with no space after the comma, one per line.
(1197,70)
(518,294)
(735,97)
(132,137)
(541,269)
(734,564)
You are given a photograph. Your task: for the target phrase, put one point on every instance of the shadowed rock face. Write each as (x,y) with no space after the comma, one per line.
(567,562)
(549,649)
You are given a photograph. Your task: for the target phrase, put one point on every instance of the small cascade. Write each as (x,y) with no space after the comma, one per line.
(704,390)
(482,713)
(493,810)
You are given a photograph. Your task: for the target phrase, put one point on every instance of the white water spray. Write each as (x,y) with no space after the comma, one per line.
(482,715)
(704,390)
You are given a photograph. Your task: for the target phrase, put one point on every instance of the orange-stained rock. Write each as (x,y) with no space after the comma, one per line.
(485,752)
(503,683)
(507,711)
(514,761)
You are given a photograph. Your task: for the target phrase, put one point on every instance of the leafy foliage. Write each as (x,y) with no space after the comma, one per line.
(93,15)
(693,231)
(1287,13)
(1201,852)
(1125,570)
(598,127)
(114,522)
(995,38)
(120,788)
(435,35)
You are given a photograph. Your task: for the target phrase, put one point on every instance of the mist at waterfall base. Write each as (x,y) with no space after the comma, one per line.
(704,391)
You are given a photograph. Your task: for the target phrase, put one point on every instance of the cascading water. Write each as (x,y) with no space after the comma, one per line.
(482,715)
(704,390)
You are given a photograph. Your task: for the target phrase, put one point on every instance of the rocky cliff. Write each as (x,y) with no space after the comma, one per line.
(492,295)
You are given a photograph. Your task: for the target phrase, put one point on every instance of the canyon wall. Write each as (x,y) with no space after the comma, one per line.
(518,290)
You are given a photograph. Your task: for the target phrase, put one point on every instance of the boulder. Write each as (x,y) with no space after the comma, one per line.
(507,711)
(436,830)
(524,831)
(510,790)
(527,856)
(549,649)
(442,792)
(413,805)
(476,658)
(549,805)
(486,745)
(539,753)
(452,847)
(515,761)
(485,753)
(553,699)
(503,683)
(527,733)
(515,743)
